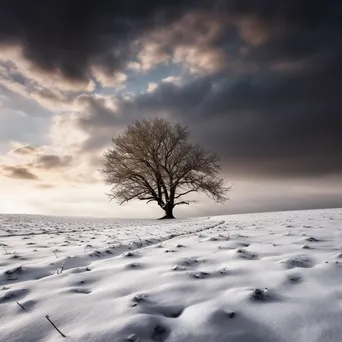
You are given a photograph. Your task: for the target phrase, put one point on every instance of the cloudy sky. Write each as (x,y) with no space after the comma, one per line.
(258,82)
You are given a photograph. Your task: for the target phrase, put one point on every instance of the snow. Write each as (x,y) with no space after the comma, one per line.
(258,277)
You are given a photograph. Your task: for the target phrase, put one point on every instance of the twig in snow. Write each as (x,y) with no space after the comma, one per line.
(141,243)
(54,252)
(21,306)
(48,318)
(14,270)
(58,270)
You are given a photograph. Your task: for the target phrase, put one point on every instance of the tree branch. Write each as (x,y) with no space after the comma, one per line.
(184,202)
(185,193)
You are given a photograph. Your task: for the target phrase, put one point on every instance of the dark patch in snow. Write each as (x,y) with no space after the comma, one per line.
(128,254)
(80,290)
(160,334)
(312,239)
(138,299)
(294,278)
(260,295)
(298,261)
(244,254)
(177,268)
(133,265)
(199,275)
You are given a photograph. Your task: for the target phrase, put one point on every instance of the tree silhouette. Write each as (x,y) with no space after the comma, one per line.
(154,160)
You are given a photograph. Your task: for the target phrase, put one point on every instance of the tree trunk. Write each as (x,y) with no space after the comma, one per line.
(168,212)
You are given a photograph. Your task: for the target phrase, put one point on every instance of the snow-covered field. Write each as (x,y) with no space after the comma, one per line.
(240,278)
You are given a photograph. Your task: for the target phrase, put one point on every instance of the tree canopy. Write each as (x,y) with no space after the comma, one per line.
(154,160)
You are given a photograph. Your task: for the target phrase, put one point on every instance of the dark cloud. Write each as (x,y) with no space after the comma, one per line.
(19,172)
(71,38)
(269,123)
(52,161)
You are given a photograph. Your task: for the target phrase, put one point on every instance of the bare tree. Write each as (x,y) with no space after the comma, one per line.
(154,160)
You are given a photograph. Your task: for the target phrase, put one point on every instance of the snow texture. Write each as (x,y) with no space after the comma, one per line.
(240,278)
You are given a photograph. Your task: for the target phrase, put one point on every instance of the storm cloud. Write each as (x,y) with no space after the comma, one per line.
(71,38)
(280,124)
